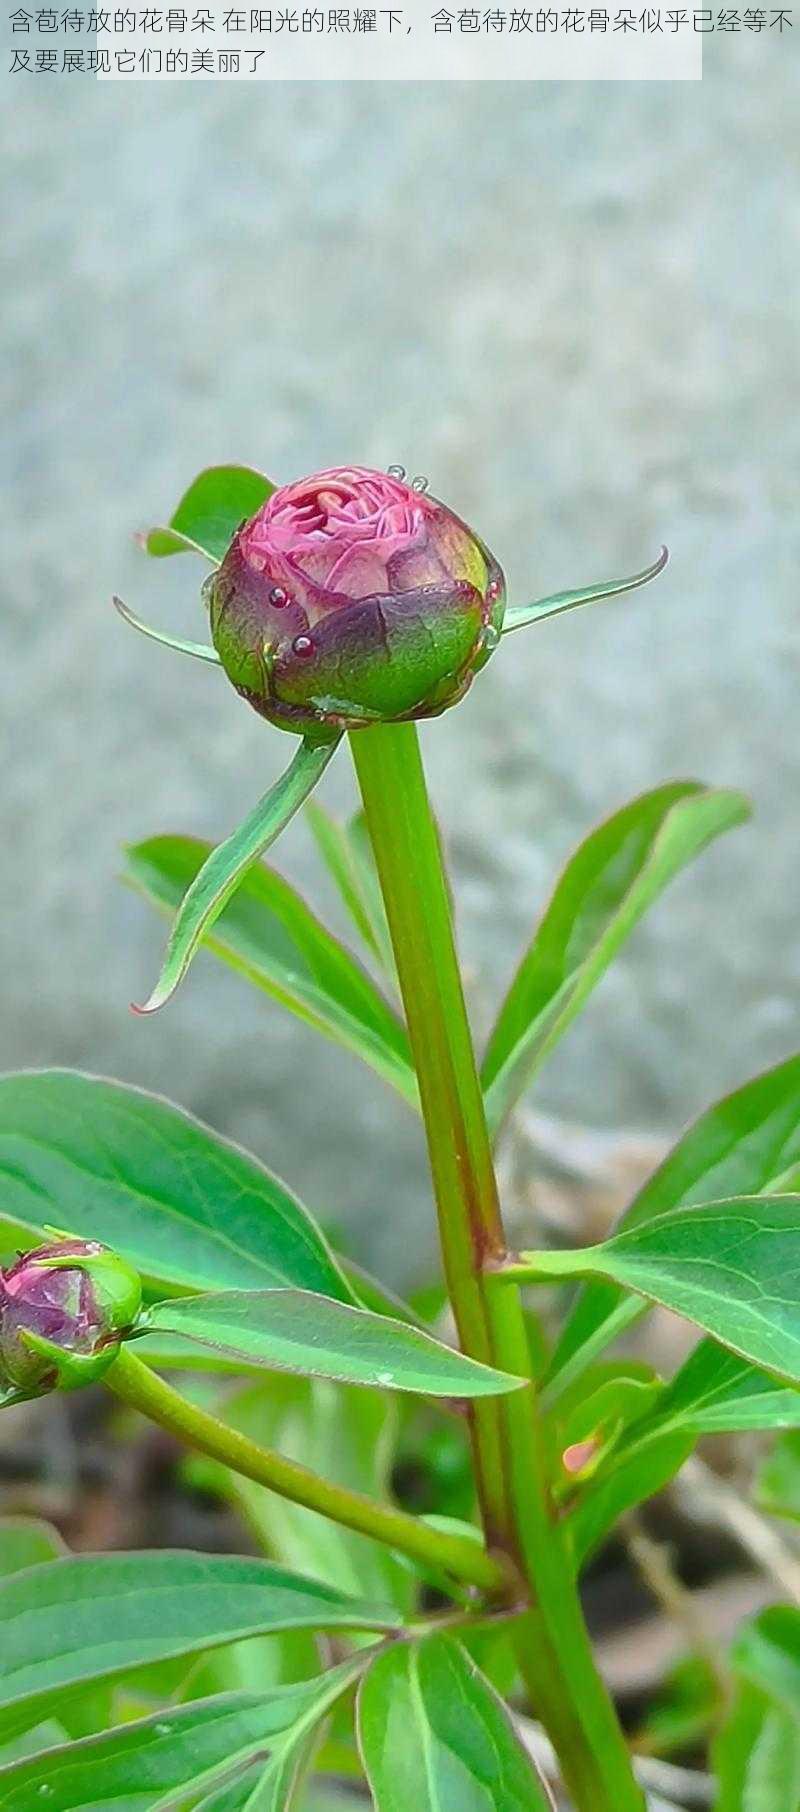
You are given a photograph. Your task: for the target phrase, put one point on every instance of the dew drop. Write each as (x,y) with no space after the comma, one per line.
(396,472)
(278,597)
(46,1792)
(163,1729)
(490,638)
(419,484)
(303,646)
(386,1377)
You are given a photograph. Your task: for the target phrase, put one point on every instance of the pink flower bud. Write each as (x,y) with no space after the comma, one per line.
(63,1310)
(352,597)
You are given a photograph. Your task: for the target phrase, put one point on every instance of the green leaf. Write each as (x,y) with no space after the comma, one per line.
(756,1756)
(615,1397)
(588,1429)
(187,1208)
(434,1736)
(518,616)
(269,935)
(210,512)
(290,1330)
(144,1762)
(773,1771)
(629,1478)
(715,1392)
(148,1765)
(25,1541)
(766,1651)
(93,1617)
(342,1437)
(276,1785)
(733,1746)
(346,852)
(730,1267)
(226,866)
(778,1480)
(757,1753)
(740,1146)
(615,875)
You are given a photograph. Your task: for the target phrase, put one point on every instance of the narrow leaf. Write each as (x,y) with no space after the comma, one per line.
(716,1392)
(142,1766)
(766,1651)
(730,1267)
(210,512)
(519,615)
(222,872)
(772,1781)
(188,1209)
(93,1617)
(272,1785)
(434,1736)
(268,934)
(615,875)
(740,1146)
(203,651)
(757,1753)
(734,1744)
(290,1330)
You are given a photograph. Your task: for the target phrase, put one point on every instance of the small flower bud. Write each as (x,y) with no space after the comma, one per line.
(350,598)
(64,1309)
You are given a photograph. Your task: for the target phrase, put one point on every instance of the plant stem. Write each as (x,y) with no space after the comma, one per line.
(508,1442)
(450,1556)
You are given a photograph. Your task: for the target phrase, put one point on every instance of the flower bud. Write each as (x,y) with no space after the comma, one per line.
(352,597)
(63,1310)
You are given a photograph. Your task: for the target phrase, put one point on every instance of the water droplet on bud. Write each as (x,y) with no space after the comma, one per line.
(278,597)
(490,638)
(396,472)
(163,1729)
(419,484)
(303,646)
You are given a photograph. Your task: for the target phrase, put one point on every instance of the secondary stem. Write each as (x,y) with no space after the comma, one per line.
(453,1556)
(554,1649)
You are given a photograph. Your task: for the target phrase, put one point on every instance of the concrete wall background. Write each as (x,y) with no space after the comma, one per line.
(574,308)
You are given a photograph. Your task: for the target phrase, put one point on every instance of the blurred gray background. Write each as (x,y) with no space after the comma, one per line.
(575,309)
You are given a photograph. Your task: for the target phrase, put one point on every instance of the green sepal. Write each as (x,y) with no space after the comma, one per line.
(518,616)
(119,1284)
(73,1370)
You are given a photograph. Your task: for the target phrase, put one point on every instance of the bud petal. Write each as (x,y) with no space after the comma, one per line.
(64,1308)
(351,598)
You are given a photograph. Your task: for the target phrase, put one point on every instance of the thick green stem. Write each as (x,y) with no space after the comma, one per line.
(554,1648)
(450,1556)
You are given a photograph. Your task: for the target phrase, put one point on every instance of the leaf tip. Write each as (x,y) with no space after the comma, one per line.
(154,1002)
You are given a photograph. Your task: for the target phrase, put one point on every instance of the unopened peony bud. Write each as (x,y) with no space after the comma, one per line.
(63,1310)
(352,597)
